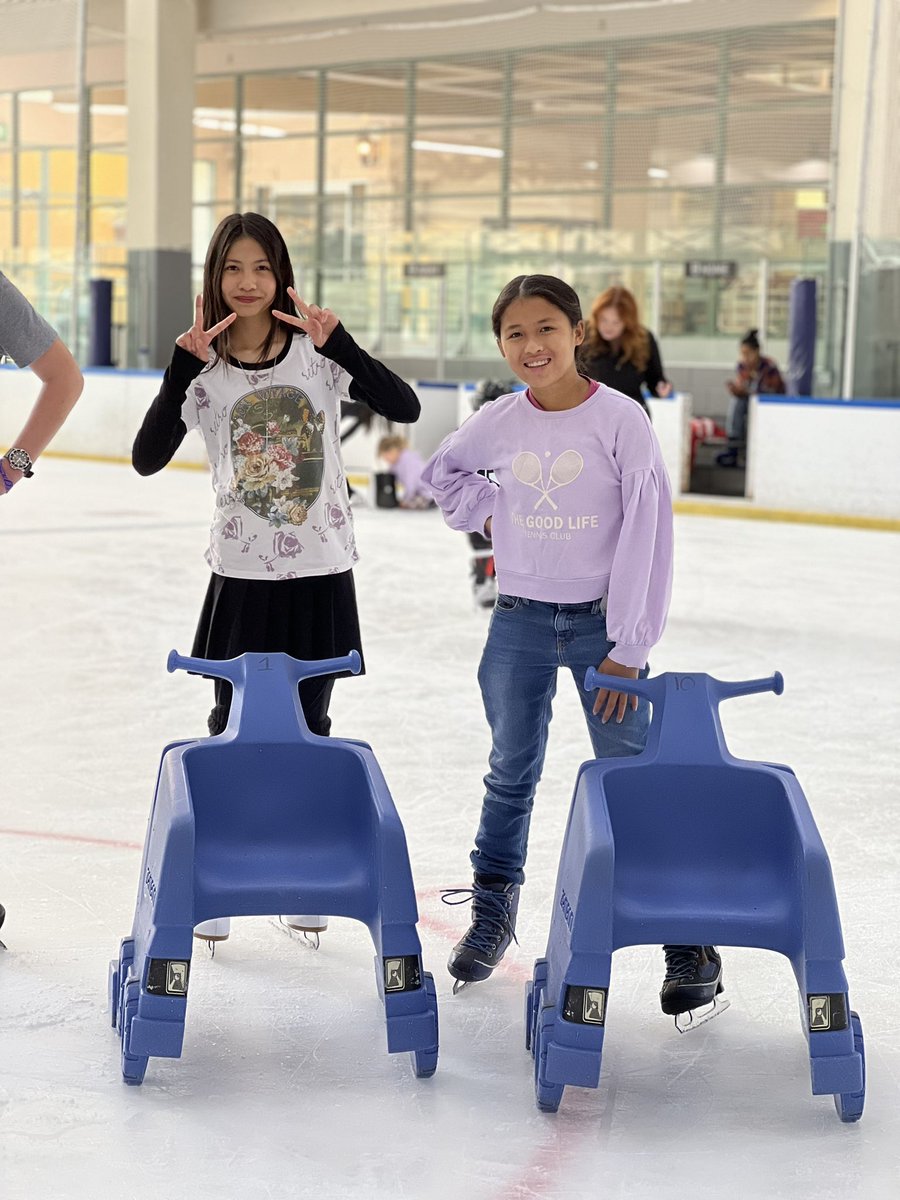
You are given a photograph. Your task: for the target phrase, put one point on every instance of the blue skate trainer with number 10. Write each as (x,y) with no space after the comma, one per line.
(630,875)
(267,818)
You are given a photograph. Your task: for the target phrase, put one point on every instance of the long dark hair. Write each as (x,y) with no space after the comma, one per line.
(230,229)
(555,291)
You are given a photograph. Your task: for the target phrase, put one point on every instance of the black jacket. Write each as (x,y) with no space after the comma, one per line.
(625,377)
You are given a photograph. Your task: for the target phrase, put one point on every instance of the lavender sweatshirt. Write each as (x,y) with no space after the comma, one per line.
(580,506)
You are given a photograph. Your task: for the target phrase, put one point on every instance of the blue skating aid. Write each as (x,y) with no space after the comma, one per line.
(268,818)
(684,844)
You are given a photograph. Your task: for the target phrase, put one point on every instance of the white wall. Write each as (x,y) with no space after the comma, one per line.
(670,421)
(825,456)
(103,422)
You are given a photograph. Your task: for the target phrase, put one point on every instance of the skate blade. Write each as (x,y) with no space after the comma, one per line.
(460,985)
(309,938)
(687,1022)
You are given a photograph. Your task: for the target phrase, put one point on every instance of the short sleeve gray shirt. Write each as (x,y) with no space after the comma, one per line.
(24,334)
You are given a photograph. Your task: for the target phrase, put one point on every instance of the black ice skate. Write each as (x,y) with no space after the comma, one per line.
(2,919)
(495,903)
(692,986)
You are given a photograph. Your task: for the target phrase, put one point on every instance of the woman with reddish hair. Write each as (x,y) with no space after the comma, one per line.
(619,351)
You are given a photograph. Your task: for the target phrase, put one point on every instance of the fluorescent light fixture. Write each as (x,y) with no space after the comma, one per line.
(97,110)
(657,173)
(591,165)
(457,148)
(248,128)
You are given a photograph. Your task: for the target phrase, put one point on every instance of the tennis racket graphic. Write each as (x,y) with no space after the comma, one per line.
(566,468)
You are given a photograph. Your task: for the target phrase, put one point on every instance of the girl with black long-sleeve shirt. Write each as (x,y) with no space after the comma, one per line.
(264,388)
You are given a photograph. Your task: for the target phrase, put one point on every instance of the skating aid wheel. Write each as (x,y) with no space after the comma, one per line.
(133,1065)
(534,1000)
(850,1105)
(425,1061)
(118,973)
(547,1095)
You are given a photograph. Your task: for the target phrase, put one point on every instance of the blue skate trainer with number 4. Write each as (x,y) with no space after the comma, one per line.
(686,846)
(268,818)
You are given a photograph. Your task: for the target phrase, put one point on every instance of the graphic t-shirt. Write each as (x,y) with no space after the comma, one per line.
(273,439)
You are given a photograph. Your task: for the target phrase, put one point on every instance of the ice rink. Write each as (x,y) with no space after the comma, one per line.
(285,1088)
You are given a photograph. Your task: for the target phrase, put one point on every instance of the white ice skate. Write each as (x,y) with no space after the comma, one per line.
(213,932)
(309,926)
(687,1022)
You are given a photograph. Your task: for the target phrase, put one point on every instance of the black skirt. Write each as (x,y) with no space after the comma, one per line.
(311,618)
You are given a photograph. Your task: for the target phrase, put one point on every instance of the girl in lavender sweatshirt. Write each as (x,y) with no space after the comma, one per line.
(580,513)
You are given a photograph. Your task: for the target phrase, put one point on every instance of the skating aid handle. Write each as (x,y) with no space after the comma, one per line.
(685,724)
(233,669)
(654,689)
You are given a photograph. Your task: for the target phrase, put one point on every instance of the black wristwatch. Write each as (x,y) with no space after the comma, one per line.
(20,460)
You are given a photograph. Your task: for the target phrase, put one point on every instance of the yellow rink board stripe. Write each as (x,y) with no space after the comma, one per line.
(684,507)
(748,512)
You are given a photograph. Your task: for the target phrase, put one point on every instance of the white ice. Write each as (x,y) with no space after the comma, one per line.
(285,1088)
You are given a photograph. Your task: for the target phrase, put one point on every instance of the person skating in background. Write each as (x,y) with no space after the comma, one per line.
(619,351)
(406,466)
(755,375)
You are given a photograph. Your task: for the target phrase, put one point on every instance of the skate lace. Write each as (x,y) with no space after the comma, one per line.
(490,916)
(681,961)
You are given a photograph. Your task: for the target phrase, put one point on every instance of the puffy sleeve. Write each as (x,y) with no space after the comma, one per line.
(640,583)
(451,475)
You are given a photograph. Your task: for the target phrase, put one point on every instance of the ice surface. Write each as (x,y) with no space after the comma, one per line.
(285,1088)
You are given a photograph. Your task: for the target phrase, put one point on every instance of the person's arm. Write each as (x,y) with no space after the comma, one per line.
(371,381)
(640,580)
(451,475)
(771,381)
(62,385)
(655,376)
(739,385)
(163,428)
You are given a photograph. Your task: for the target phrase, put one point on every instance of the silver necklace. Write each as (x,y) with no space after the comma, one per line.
(257,381)
(256,378)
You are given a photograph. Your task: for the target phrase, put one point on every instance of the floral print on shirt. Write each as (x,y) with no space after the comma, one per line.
(278,454)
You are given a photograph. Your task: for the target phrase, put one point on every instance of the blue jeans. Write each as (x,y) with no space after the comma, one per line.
(528,641)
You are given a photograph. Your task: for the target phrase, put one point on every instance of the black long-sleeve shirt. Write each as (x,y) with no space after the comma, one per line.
(625,377)
(163,430)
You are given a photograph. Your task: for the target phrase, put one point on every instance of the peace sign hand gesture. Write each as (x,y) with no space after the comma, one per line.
(319,323)
(197,340)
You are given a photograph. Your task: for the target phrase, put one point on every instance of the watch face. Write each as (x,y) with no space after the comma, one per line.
(19,459)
